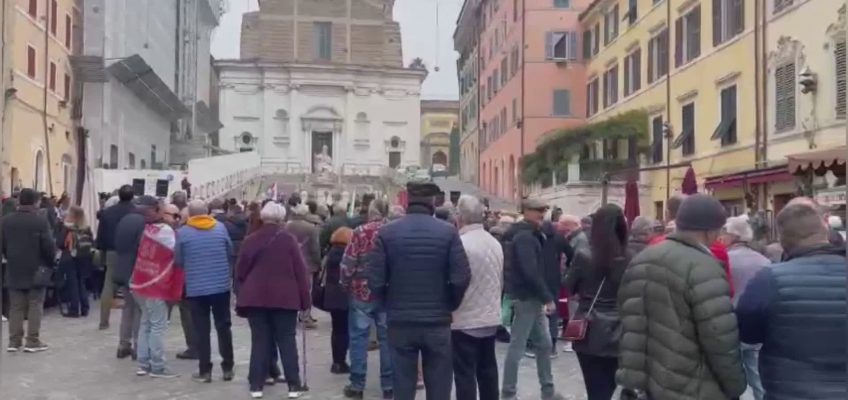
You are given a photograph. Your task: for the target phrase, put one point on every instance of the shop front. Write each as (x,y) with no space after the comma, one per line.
(821,175)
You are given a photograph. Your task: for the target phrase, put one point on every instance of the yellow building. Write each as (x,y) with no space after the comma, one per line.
(438,119)
(39,139)
(690,71)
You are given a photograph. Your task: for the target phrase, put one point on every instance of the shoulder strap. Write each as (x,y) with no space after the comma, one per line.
(262,250)
(596,296)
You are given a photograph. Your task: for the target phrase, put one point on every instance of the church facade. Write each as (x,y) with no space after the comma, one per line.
(320,88)
(308,118)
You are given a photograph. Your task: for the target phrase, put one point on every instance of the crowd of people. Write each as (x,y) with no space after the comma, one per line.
(690,308)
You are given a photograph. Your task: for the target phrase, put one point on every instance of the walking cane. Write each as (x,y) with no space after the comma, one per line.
(303,347)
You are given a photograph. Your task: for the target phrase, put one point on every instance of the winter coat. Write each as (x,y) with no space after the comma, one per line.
(236,228)
(128,235)
(578,240)
(583,280)
(554,248)
(418,269)
(27,245)
(679,335)
(481,305)
(108,225)
(271,273)
(744,262)
(524,269)
(796,309)
(636,245)
(335,298)
(204,251)
(330,226)
(306,234)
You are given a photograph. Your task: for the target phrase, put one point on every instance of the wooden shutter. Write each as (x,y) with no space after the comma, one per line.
(717,12)
(589,100)
(636,64)
(688,117)
(657,145)
(839,59)
(587,44)
(31,62)
(606,30)
(663,44)
(627,71)
(738,16)
(678,42)
(614,79)
(784,89)
(571,51)
(596,37)
(633,11)
(549,48)
(651,56)
(693,40)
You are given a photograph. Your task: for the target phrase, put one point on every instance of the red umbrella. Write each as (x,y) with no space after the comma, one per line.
(631,201)
(690,185)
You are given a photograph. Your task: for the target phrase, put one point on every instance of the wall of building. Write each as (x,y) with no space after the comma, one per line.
(466,43)
(436,127)
(526,99)
(35,158)
(279,106)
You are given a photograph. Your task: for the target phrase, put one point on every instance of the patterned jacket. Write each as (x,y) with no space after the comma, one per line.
(481,305)
(355,256)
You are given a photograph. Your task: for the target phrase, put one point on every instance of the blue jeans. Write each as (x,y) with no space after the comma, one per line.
(151,333)
(530,323)
(750,361)
(362,315)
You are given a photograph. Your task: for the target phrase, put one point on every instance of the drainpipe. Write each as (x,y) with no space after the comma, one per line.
(764,90)
(3,131)
(49,166)
(523,80)
(479,33)
(757,87)
(668,133)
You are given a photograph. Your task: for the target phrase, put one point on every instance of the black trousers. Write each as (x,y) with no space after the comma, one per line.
(339,337)
(218,306)
(433,345)
(474,366)
(598,375)
(272,330)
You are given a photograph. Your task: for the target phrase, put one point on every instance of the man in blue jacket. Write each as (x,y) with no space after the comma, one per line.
(204,251)
(796,309)
(419,270)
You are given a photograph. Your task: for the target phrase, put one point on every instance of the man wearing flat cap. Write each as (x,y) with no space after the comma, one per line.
(419,270)
(524,282)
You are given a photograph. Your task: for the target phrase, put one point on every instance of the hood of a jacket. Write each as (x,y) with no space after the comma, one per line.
(824,249)
(203,222)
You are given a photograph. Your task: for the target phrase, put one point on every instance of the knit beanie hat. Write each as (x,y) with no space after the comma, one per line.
(701,212)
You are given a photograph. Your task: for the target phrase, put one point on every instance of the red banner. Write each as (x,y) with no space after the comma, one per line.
(154,275)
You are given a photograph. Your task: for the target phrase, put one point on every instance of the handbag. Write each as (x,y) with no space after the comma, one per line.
(319,285)
(576,328)
(43,278)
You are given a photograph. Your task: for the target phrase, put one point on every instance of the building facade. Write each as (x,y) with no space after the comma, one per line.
(466,38)
(438,120)
(360,32)
(39,140)
(358,119)
(531,80)
(799,118)
(693,74)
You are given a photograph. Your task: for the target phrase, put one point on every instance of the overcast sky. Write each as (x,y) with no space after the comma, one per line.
(424,36)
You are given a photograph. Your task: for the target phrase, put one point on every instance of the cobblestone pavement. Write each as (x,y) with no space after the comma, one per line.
(81,365)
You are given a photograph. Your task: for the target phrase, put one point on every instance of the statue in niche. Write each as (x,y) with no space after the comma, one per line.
(322,163)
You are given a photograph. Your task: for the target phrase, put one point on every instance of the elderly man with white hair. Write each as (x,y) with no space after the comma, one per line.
(745,263)
(478,317)
(570,226)
(204,251)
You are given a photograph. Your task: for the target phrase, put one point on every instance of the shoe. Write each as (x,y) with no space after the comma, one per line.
(530,354)
(187,355)
(103,327)
(14,348)
(352,393)
(388,394)
(256,395)
(163,374)
(296,391)
(568,347)
(142,372)
(202,378)
(228,376)
(36,347)
(340,369)
(124,352)
(3,318)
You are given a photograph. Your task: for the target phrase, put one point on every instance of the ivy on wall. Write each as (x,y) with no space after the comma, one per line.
(556,150)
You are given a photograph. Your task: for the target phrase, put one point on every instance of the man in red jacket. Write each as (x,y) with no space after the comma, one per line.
(718,249)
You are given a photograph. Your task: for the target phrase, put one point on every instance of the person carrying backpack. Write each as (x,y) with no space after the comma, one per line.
(75,242)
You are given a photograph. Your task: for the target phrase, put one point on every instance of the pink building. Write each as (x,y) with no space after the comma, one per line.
(531,82)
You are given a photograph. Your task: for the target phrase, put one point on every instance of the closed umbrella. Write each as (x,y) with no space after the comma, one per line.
(690,185)
(631,201)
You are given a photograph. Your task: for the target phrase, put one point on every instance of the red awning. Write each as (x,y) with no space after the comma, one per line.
(752,177)
(818,160)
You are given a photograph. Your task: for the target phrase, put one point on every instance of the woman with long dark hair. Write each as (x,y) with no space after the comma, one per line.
(594,277)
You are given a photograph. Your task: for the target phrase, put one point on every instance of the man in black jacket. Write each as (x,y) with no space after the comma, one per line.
(524,279)
(555,247)
(108,223)
(27,245)
(419,270)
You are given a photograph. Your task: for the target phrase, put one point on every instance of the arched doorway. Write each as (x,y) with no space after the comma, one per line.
(39,171)
(439,157)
